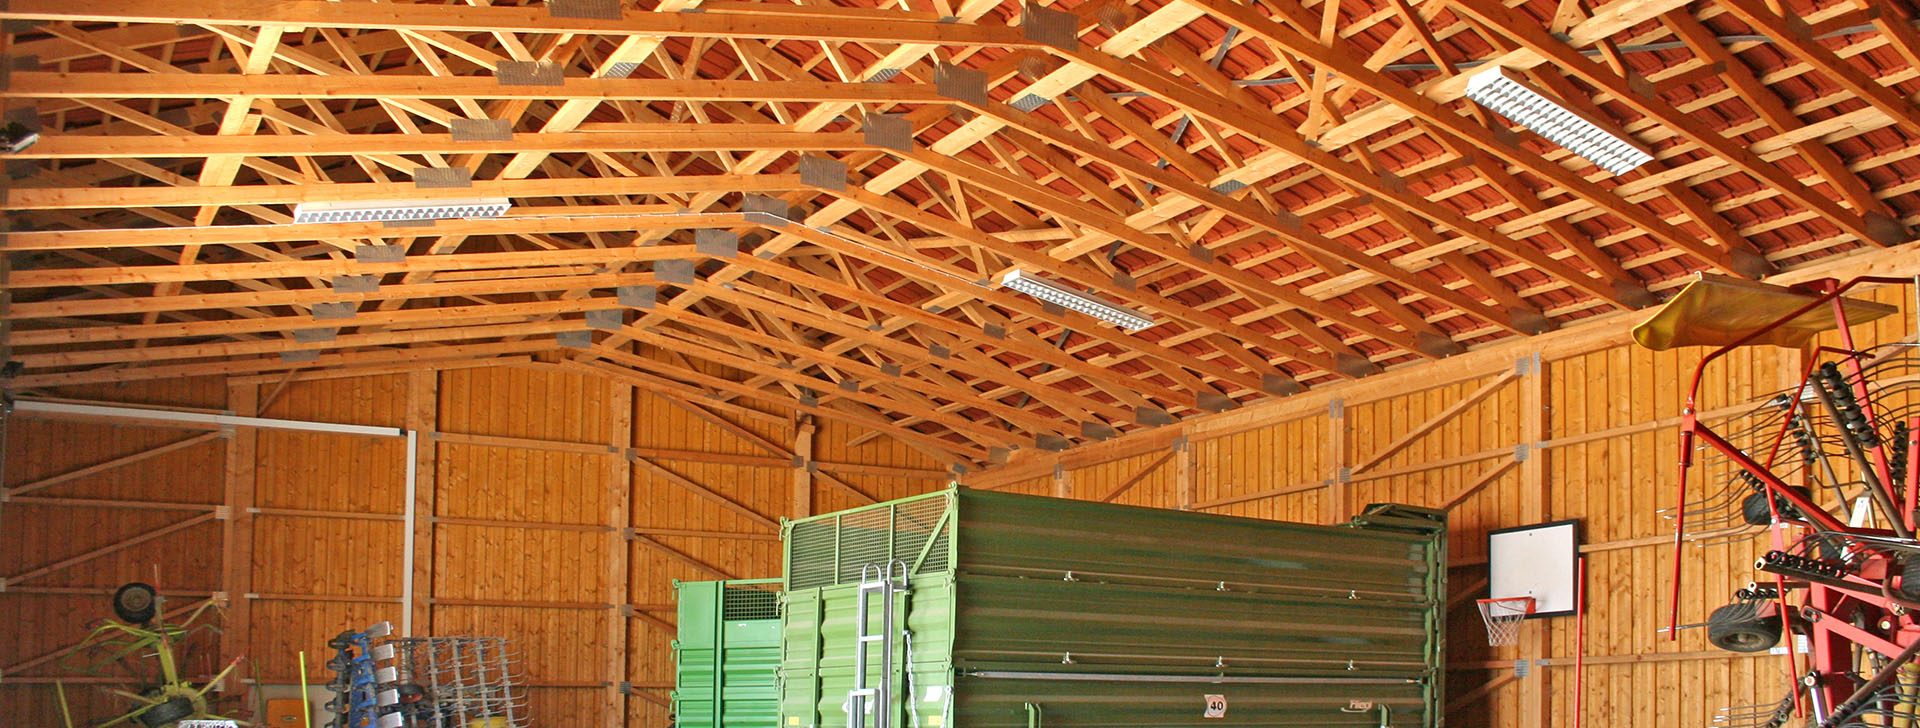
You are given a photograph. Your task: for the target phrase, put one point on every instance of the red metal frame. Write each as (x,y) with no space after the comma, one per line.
(1832,604)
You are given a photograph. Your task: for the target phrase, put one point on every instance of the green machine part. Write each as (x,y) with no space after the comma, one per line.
(1031,612)
(726,654)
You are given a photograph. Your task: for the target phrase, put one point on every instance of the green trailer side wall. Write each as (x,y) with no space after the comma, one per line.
(1051,613)
(725,654)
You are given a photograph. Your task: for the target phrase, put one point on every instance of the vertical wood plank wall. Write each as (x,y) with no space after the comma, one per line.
(521,495)
(538,485)
(1606,457)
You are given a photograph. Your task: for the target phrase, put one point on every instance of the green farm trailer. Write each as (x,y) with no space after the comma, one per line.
(727,653)
(976,609)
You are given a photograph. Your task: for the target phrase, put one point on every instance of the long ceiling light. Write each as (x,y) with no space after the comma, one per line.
(400,210)
(1049,292)
(1576,133)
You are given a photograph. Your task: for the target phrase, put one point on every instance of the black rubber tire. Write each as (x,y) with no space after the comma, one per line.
(1754,508)
(166,713)
(135,603)
(1735,628)
(1909,588)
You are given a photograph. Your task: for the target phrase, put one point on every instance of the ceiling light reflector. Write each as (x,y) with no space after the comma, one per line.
(1049,292)
(1574,132)
(400,210)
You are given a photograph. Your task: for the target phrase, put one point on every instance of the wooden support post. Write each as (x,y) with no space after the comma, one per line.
(619,551)
(1338,472)
(1062,483)
(1183,473)
(803,467)
(236,553)
(1536,639)
(423,416)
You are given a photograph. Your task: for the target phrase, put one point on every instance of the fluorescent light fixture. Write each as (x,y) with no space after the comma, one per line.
(1049,292)
(1576,133)
(399,210)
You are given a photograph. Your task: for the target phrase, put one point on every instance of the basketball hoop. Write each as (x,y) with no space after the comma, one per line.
(1503,617)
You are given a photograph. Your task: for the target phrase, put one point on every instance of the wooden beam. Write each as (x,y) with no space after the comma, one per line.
(1432,423)
(102,467)
(423,417)
(106,550)
(704,492)
(619,485)
(1145,470)
(236,542)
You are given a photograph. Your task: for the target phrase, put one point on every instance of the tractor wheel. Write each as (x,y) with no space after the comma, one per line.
(1754,508)
(134,603)
(1737,628)
(167,713)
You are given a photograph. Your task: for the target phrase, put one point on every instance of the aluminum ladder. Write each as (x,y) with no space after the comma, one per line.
(875,580)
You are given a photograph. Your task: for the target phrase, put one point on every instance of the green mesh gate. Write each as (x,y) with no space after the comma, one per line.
(830,550)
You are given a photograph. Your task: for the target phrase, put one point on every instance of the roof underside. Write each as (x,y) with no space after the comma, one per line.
(796,206)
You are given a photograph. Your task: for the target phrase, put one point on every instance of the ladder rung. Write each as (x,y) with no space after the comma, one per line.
(872,637)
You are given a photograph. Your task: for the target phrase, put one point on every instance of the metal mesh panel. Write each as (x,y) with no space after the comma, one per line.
(863,540)
(914,523)
(811,554)
(750,601)
(832,549)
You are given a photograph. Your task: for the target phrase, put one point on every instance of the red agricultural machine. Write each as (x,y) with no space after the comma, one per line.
(1844,578)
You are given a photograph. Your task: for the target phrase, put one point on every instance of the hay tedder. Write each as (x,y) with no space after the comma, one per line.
(1842,578)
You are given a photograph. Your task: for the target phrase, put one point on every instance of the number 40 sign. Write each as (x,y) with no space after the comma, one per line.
(1216,707)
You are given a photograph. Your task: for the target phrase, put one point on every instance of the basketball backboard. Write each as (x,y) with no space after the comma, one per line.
(1536,561)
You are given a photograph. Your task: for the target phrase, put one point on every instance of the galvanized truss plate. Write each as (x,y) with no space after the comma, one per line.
(1053,309)
(587,9)
(1214,402)
(883,75)
(1355,366)
(1051,443)
(999,455)
(1057,28)
(960,84)
(574,339)
(442,177)
(674,271)
(1123,281)
(335,311)
(994,331)
(636,296)
(606,319)
(1229,187)
(850,384)
(1152,416)
(892,131)
(1276,384)
(22,168)
(389,253)
(717,243)
(809,398)
(939,352)
(823,172)
(767,204)
(1097,430)
(20,25)
(481,130)
(1029,102)
(890,369)
(406,223)
(27,116)
(303,355)
(620,69)
(357,284)
(529,73)
(315,336)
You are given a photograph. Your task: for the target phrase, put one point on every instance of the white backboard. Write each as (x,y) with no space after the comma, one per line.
(1535,561)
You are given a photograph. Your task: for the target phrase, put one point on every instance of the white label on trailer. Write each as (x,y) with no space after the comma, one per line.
(1216,707)
(933,693)
(208,724)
